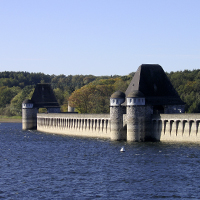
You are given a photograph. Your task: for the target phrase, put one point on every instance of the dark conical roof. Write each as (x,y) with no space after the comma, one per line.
(118,95)
(151,80)
(43,96)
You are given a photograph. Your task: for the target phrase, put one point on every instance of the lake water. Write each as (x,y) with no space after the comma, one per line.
(36,165)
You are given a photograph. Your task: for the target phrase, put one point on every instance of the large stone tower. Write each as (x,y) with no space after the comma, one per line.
(151,80)
(151,83)
(116,115)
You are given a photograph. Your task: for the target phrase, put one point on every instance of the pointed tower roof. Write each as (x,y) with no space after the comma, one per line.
(151,80)
(43,96)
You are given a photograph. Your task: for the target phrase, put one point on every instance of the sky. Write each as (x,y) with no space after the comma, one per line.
(98,37)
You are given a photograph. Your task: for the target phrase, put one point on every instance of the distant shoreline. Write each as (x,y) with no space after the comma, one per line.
(9,120)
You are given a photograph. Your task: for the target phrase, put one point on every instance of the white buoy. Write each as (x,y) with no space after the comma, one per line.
(122,149)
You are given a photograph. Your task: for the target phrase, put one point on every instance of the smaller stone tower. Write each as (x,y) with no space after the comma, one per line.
(29,115)
(135,113)
(116,115)
(43,97)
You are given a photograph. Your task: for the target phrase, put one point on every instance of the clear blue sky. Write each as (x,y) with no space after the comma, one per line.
(99,37)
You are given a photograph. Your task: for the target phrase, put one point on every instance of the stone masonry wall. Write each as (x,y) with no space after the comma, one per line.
(135,123)
(84,125)
(176,127)
(118,132)
(29,118)
(163,127)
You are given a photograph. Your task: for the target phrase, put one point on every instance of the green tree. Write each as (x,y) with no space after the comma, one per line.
(80,99)
(59,95)
(16,103)
(94,97)
(6,95)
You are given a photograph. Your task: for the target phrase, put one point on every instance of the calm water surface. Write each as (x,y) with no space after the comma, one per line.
(36,165)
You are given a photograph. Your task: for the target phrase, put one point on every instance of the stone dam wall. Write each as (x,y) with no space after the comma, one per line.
(84,125)
(176,127)
(164,127)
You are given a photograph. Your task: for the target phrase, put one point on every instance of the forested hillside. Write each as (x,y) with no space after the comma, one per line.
(187,84)
(17,86)
(88,93)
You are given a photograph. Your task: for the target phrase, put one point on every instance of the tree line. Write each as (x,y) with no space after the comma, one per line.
(187,84)
(87,93)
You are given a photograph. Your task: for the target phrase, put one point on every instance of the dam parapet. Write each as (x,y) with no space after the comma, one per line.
(84,125)
(176,127)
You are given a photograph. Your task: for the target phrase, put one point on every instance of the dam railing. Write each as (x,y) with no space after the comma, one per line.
(164,127)
(176,127)
(87,125)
